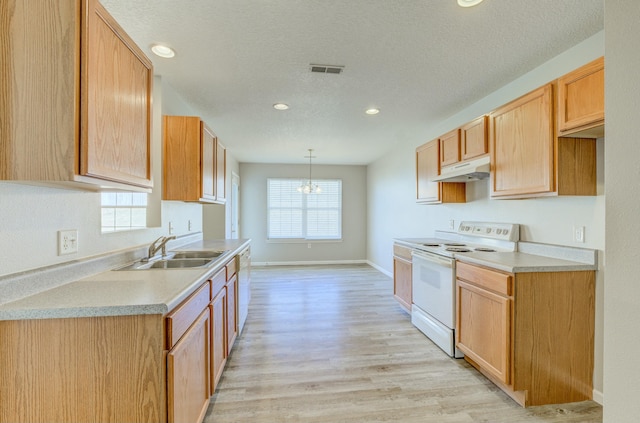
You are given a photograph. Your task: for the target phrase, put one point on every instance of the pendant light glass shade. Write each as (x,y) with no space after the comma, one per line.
(308,187)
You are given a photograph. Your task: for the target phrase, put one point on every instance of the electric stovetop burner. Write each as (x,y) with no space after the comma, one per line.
(484,249)
(458,249)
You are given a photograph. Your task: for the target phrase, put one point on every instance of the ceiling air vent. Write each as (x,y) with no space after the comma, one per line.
(326,68)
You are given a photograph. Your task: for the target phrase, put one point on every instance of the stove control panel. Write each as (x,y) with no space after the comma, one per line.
(501,231)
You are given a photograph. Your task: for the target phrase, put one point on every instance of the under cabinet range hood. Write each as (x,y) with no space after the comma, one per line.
(470,170)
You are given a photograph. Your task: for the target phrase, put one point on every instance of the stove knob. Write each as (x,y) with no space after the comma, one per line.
(488,230)
(498,231)
(506,231)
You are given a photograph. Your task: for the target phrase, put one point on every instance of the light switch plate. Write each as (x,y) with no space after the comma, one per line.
(67,242)
(578,233)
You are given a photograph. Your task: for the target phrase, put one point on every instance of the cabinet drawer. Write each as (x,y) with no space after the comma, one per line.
(231,268)
(180,318)
(218,282)
(500,283)
(402,252)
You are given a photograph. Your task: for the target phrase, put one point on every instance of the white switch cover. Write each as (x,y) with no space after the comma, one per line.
(578,233)
(67,242)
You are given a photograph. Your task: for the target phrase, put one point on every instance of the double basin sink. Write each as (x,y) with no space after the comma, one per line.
(177,260)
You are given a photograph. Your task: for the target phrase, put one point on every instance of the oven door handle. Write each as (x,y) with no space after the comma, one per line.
(443,261)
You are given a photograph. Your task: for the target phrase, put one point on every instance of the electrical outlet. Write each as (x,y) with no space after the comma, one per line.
(309,245)
(67,242)
(189,225)
(578,233)
(452,224)
(170,229)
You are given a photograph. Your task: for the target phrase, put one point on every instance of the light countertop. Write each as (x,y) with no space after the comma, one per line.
(112,293)
(530,257)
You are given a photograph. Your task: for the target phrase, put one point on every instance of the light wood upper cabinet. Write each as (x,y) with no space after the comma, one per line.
(427,168)
(522,143)
(529,333)
(221,173)
(194,163)
(581,101)
(528,160)
(474,138)
(76,91)
(450,148)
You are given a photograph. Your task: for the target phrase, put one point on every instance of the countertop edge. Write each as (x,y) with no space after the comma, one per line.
(162,307)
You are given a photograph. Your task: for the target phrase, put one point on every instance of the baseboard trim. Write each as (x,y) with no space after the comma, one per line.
(380,269)
(306,263)
(598,397)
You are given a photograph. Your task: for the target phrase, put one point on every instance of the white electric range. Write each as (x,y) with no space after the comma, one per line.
(433,274)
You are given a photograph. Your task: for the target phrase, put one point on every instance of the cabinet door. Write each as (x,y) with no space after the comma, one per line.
(483,329)
(218,337)
(232,314)
(474,138)
(450,148)
(221,172)
(208,162)
(581,98)
(188,373)
(427,168)
(522,146)
(115,141)
(402,282)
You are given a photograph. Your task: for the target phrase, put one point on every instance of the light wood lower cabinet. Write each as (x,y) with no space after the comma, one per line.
(232,312)
(218,327)
(532,334)
(142,368)
(402,278)
(93,369)
(188,372)
(218,337)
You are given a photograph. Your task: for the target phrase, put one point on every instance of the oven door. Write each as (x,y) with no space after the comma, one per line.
(433,283)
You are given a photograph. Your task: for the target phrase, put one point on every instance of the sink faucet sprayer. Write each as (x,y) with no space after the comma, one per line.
(160,243)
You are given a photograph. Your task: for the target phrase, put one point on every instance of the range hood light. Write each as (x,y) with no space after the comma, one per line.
(472,170)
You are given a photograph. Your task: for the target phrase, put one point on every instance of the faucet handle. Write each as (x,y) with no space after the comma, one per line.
(164,244)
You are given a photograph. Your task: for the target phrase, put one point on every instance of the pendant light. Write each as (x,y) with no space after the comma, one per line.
(309,187)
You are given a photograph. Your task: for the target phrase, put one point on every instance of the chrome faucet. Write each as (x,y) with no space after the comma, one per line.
(160,243)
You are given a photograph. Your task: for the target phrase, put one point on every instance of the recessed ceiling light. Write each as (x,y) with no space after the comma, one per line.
(163,51)
(372,111)
(280,106)
(468,3)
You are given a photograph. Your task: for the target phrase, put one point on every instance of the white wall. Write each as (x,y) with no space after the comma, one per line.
(30,216)
(253,220)
(393,212)
(622,289)
(216,218)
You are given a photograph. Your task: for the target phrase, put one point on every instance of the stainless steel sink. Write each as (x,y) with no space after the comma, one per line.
(195,254)
(177,260)
(180,263)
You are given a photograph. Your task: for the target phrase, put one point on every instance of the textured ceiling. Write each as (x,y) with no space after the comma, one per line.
(418,61)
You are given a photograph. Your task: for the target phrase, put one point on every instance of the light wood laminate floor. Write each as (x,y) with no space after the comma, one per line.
(330,344)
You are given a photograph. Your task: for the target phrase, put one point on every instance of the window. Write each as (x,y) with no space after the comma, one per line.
(294,215)
(122,211)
